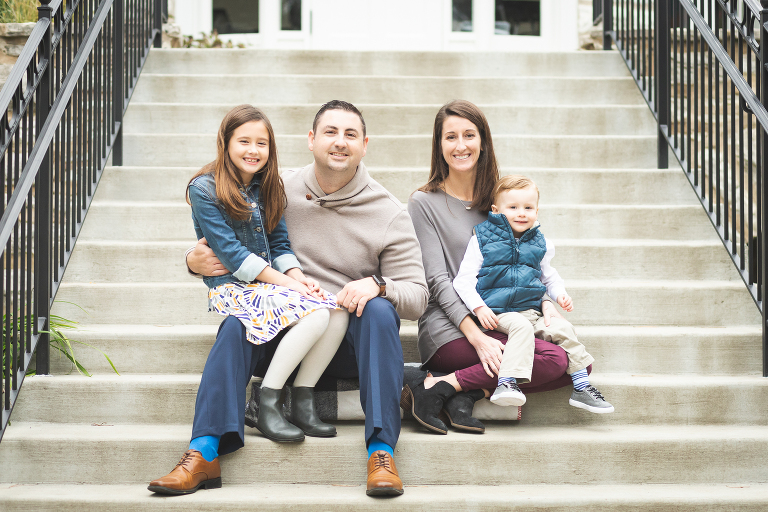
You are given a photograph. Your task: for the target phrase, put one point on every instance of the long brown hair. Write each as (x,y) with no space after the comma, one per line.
(227,177)
(487,167)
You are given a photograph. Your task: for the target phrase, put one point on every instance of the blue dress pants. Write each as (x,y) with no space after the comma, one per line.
(371,351)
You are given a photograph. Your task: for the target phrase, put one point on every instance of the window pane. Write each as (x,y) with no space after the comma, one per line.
(462,15)
(236,16)
(290,18)
(518,17)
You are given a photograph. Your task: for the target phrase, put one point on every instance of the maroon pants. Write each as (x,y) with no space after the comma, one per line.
(460,357)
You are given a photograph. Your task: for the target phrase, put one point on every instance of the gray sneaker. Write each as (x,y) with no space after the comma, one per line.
(591,400)
(508,393)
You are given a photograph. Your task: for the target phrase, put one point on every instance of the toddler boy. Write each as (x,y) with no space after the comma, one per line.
(504,275)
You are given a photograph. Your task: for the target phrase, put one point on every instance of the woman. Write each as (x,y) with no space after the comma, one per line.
(455,199)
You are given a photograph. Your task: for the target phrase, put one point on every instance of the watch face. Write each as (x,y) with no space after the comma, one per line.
(379,281)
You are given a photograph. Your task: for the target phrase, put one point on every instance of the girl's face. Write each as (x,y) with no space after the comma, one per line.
(460,144)
(249,149)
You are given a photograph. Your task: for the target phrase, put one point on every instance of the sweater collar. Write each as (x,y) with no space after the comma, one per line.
(341,197)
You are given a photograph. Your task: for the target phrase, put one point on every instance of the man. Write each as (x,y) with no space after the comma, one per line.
(355,239)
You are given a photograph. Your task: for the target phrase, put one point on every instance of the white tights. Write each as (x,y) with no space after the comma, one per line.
(313,342)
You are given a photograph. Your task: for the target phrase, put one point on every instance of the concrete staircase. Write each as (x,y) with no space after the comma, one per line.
(675,334)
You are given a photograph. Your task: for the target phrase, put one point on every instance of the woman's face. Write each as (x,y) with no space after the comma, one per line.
(460,144)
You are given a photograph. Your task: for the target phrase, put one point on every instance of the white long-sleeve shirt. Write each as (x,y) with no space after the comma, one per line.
(465,282)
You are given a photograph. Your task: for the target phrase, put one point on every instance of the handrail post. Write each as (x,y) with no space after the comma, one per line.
(662,79)
(158,42)
(607,23)
(118,87)
(43,213)
(763,283)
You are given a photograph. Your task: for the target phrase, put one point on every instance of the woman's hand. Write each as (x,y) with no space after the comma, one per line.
(489,350)
(549,311)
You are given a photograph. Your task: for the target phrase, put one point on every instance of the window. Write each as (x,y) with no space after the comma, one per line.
(462,16)
(290,15)
(236,16)
(518,17)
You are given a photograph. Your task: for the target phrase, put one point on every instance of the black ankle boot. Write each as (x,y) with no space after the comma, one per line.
(459,408)
(272,422)
(304,415)
(426,404)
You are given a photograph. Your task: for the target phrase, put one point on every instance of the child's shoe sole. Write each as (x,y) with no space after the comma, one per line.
(506,401)
(596,410)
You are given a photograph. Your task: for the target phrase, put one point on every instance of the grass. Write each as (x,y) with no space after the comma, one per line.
(18,11)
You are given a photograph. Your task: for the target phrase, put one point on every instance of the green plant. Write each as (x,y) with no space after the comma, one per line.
(18,11)
(211,40)
(58,340)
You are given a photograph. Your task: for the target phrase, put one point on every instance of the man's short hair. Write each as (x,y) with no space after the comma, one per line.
(338,105)
(514,182)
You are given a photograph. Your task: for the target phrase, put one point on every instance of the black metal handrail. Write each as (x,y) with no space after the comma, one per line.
(64,103)
(702,69)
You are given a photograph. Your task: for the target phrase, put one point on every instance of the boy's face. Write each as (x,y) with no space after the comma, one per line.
(520,207)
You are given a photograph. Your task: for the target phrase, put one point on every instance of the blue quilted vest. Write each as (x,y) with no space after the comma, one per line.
(510,278)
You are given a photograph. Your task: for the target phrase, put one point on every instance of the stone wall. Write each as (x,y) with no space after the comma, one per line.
(13,36)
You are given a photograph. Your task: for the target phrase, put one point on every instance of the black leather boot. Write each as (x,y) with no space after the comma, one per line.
(304,415)
(426,404)
(272,422)
(459,408)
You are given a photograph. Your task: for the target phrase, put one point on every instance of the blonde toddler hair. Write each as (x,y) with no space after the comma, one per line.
(513,182)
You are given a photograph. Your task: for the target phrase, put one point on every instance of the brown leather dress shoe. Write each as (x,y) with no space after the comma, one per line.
(191,473)
(382,475)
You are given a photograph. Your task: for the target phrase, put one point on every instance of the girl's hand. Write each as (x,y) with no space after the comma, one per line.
(565,302)
(489,350)
(298,287)
(487,318)
(549,311)
(314,286)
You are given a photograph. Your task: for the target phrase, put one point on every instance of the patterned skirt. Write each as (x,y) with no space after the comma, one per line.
(264,309)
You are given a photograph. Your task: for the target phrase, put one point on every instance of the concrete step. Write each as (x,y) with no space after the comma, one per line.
(249,61)
(639,400)
(154,349)
(557,186)
(297,119)
(586,152)
(259,89)
(617,302)
(554,455)
(117,261)
(161,221)
(743,497)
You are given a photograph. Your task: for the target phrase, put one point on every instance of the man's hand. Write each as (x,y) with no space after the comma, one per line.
(203,261)
(549,311)
(356,294)
(565,302)
(487,318)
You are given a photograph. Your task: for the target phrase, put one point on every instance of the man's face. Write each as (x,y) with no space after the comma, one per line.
(338,144)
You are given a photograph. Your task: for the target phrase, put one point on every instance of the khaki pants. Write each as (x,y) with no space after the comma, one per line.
(521,328)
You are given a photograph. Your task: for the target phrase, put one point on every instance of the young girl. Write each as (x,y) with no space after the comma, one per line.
(237,206)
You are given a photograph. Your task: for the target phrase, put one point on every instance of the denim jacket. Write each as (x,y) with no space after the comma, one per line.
(243,246)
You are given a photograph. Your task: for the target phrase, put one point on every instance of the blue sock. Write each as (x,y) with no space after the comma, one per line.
(375,445)
(207,445)
(502,380)
(580,380)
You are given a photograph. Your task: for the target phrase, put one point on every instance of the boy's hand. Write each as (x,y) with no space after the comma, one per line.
(487,318)
(565,302)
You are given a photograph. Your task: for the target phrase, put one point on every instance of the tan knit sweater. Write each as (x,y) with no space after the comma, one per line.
(353,233)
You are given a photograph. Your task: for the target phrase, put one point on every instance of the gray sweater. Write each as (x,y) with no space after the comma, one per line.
(353,233)
(444,227)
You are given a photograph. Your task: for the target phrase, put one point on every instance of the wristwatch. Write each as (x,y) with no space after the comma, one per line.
(381,283)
